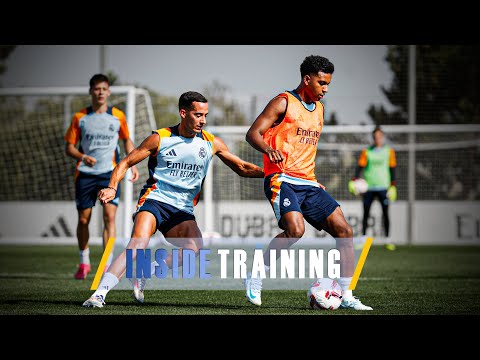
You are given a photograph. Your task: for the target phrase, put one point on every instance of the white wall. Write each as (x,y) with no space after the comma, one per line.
(435,222)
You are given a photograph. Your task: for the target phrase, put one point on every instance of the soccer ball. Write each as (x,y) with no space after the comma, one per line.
(361,186)
(325,294)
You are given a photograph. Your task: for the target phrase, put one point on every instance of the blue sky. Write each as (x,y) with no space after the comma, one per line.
(246,70)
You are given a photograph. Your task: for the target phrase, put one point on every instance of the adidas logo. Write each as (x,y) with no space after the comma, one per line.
(171,153)
(55,230)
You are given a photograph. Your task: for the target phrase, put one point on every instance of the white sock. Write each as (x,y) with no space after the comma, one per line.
(267,268)
(347,294)
(85,256)
(344,283)
(108,282)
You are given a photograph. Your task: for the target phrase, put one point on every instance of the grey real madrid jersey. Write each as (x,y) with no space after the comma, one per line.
(178,169)
(98,134)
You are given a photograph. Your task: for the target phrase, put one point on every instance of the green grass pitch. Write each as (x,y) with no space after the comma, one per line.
(413,280)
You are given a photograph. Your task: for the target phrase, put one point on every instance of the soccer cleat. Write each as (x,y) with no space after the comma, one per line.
(94,301)
(390,247)
(253,287)
(138,287)
(83,270)
(354,303)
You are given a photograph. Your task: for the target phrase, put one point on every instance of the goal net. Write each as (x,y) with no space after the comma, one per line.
(444,155)
(33,163)
(437,165)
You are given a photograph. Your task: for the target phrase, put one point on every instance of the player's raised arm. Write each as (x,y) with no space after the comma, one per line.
(148,147)
(241,167)
(273,112)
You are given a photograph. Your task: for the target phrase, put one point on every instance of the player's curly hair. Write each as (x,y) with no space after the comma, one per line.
(313,64)
(187,98)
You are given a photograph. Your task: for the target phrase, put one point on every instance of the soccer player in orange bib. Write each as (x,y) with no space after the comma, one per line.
(287,132)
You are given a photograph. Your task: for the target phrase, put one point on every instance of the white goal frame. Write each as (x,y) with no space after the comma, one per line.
(130,93)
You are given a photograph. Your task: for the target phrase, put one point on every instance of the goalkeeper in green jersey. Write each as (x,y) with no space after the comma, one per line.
(376,165)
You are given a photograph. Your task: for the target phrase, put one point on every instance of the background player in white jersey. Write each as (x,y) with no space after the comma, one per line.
(179,157)
(97,130)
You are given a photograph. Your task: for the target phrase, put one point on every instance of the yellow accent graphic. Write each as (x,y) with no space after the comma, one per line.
(103,262)
(361,262)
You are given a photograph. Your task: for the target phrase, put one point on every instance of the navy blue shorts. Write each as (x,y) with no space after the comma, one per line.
(313,202)
(87,187)
(167,215)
